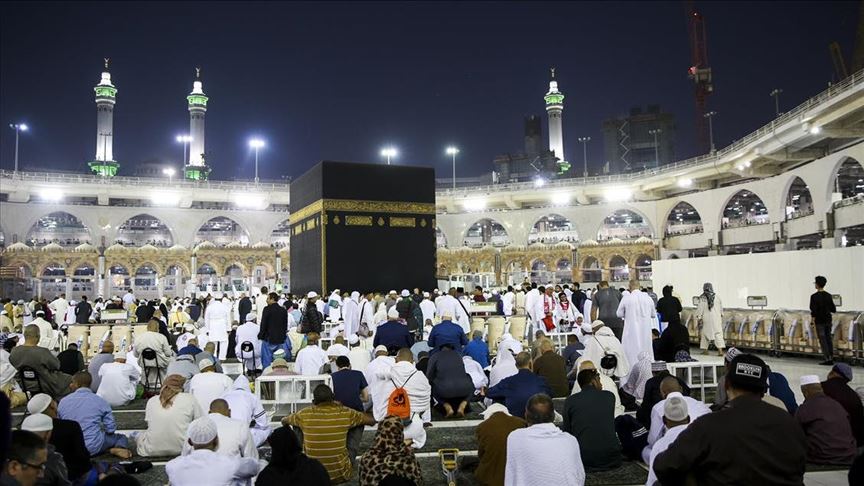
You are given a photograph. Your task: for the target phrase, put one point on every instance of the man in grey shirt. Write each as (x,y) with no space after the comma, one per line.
(106,356)
(605,307)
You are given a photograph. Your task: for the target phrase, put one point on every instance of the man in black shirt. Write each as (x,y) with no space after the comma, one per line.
(821,308)
(244,306)
(71,360)
(273,330)
(750,442)
(311,320)
(82,311)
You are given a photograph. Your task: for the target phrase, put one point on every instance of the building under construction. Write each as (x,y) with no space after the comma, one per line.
(641,140)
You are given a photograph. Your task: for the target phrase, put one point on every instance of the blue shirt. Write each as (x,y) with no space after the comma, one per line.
(445,332)
(347,385)
(189,349)
(478,351)
(92,413)
(515,391)
(394,335)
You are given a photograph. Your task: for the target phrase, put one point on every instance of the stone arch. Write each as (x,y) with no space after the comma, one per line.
(847,168)
(213,265)
(23,265)
(798,200)
(52,269)
(231,231)
(684,219)
(149,263)
(643,266)
(237,264)
(478,229)
(544,230)
(742,207)
(134,230)
(84,269)
(39,230)
(623,213)
(591,269)
(183,266)
(619,270)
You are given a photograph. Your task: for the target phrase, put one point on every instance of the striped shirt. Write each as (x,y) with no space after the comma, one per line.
(325,428)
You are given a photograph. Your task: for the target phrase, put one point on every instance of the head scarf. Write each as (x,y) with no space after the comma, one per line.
(242,383)
(389,456)
(708,293)
(505,365)
(288,464)
(172,386)
(639,375)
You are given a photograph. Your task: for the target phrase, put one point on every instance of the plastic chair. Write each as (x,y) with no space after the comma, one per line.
(30,382)
(150,362)
(247,347)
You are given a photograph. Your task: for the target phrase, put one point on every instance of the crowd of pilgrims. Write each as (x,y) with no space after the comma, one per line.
(394,358)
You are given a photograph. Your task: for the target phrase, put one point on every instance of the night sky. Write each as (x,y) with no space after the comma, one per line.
(338,81)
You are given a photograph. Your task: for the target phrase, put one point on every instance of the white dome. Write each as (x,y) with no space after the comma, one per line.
(589,243)
(234,244)
(52,247)
(85,247)
(148,248)
(115,247)
(643,239)
(261,245)
(615,241)
(205,244)
(177,248)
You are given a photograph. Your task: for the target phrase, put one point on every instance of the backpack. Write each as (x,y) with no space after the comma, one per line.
(398,403)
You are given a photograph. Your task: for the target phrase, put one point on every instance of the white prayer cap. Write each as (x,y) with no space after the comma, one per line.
(217,295)
(205,363)
(492,409)
(38,313)
(38,403)
(279,353)
(392,292)
(597,324)
(202,431)
(189,327)
(312,294)
(353,339)
(426,294)
(73,302)
(120,355)
(675,408)
(337,351)
(810,380)
(250,317)
(393,313)
(3,312)
(38,422)
(380,349)
(586,328)
(20,301)
(405,293)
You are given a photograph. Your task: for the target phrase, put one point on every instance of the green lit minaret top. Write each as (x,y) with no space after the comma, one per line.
(197,98)
(554,97)
(106,97)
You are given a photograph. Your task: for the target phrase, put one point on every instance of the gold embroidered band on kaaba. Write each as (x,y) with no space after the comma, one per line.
(357,206)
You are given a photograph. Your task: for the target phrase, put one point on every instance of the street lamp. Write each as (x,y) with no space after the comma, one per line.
(389,152)
(184,139)
(257,144)
(655,132)
(18,127)
(584,141)
(776,95)
(169,171)
(453,151)
(710,116)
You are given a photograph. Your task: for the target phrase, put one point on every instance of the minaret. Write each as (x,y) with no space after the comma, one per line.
(106,94)
(196,169)
(554,107)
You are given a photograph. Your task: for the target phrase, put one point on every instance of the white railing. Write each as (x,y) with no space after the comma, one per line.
(834,91)
(293,390)
(68,178)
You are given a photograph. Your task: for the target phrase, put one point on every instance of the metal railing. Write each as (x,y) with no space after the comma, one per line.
(833,91)
(67,178)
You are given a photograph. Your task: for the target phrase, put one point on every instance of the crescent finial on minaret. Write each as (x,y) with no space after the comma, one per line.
(197,73)
(107,60)
(553,72)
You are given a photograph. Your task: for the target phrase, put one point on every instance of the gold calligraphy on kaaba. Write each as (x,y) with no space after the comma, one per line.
(353,220)
(396,222)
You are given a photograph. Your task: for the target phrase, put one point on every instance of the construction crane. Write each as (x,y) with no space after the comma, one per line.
(699,72)
(857,59)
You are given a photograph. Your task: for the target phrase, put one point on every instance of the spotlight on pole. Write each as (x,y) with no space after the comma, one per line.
(389,153)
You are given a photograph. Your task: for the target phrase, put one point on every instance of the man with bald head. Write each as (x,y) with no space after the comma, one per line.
(552,366)
(47,366)
(542,454)
(235,438)
(670,387)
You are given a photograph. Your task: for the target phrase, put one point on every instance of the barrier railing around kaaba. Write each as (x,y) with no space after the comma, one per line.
(785,331)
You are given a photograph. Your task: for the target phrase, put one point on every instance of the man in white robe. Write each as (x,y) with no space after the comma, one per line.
(248,331)
(530,299)
(58,307)
(118,381)
(260,304)
(351,313)
(404,373)
(203,465)
(311,358)
(676,419)
(335,305)
(46,331)
(367,312)
(379,366)
(542,454)
(246,408)
(508,300)
(428,308)
(639,314)
(545,304)
(235,439)
(208,385)
(449,308)
(217,321)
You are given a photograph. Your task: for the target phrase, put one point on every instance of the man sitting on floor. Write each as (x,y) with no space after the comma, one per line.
(94,415)
(119,381)
(203,465)
(590,417)
(826,426)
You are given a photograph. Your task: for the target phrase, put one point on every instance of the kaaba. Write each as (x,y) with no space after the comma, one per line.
(365,227)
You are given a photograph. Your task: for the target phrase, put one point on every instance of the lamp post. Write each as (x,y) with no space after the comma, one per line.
(184,139)
(584,141)
(257,144)
(18,127)
(775,93)
(655,132)
(453,151)
(388,153)
(710,116)
(169,171)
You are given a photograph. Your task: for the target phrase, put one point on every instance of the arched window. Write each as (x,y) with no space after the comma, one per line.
(624,224)
(59,227)
(745,208)
(618,270)
(280,237)
(144,229)
(221,231)
(591,271)
(849,181)
(643,267)
(552,229)
(683,220)
(799,202)
(486,232)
